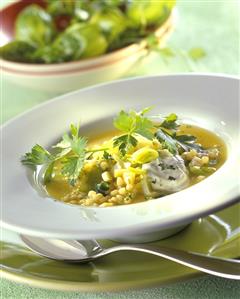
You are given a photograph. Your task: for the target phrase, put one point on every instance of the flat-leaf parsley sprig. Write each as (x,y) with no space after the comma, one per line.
(71,151)
(132,123)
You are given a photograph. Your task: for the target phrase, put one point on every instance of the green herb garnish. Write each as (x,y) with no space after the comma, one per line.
(167,141)
(71,151)
(37,156)
(170,122)
(132,123)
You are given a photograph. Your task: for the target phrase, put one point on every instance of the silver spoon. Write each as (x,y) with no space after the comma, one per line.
(86,251)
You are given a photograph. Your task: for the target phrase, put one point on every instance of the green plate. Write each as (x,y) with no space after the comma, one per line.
(216,234)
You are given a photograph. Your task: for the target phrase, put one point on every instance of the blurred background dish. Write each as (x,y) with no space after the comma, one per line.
(112,55)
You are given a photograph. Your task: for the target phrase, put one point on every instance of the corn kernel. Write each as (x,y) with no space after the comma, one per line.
(196,161)
(156,144)
(189,155)
(200,178)
(114,193)
(106,204)
(113,199)
(73,201)
(89,166)
(213,153)
(98,196)
(118,172)
(129,177)
(122,191)
(91,194)
(119,197)
(104,165)
(205,159)
(129,187)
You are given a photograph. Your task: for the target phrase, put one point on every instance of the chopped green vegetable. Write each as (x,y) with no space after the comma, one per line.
(185,138)
(167,141)
(204,170)
(188,142)
(103,188)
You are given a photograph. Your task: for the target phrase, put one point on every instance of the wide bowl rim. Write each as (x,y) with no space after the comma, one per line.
(56,98)
(152,225)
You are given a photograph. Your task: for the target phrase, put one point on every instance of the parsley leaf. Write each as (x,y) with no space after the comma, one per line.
(72,167)
(132,123)
(107,156)
(74,152)
(71,150)
(124,122)
(37,156)
(170,122)
(40,156)
(144,127)
(124,143)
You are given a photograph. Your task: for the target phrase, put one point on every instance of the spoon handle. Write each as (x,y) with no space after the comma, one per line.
(228,268)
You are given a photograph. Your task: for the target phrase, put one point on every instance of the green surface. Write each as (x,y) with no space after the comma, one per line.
(212,25)
(219,235)
(203,288)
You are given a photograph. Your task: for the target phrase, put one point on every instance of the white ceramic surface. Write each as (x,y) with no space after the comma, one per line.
(209,101)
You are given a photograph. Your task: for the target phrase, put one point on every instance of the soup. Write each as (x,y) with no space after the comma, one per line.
(139,161)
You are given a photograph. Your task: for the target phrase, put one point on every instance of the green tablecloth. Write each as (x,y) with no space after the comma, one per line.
(209,24)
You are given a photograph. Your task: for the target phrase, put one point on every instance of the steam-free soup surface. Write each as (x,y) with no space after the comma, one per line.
(107,181)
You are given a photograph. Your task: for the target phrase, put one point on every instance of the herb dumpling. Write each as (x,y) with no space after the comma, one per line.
(167,174)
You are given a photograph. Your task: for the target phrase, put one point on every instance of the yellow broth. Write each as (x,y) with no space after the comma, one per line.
(59,187)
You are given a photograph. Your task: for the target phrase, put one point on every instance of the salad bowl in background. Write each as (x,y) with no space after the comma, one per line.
(209,101)
(67,76)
